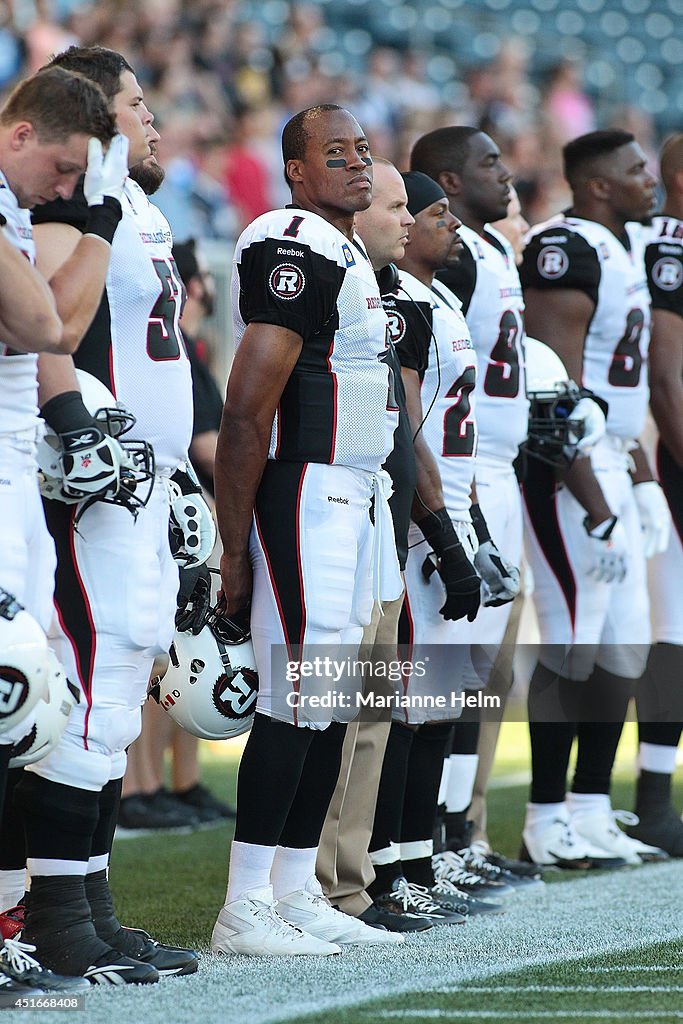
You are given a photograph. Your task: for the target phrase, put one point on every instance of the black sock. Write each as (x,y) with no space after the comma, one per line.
(385,878)
(422,792)
(59,924)
(269,775)
(603,712)
(317,783)
(12,837)
(551,732)
(108,808)
(59,820)
(419,870)
(386,827)
(5,751)
(659,697)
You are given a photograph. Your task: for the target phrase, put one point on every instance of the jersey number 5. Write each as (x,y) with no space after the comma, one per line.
(458,433)
(502,375)
(162,338)
(627,360)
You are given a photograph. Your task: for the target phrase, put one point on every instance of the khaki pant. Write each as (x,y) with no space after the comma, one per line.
(343,866)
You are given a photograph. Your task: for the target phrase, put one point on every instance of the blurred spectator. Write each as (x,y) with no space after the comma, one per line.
(568,110)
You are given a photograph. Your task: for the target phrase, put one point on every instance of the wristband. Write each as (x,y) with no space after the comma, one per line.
(479,524)
(103,219)
(609,525)
(67,412)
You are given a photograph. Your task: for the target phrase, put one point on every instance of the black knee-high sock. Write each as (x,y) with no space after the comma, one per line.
(552,726)
(5,750)
(97,888)
(421,796)
(269,776)
(103,837)
(386,827)
(659,697)
(12,838)
(59,820)
(307,813)
(603,712)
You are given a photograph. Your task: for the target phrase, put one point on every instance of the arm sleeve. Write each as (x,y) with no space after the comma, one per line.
(664,264)
(462,278)
(410,327)
(561,258)
(298,292)
(72,211)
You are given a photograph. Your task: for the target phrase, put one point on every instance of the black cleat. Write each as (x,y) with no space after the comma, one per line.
(17,963)
(394,920)
(168,960)
(114,969)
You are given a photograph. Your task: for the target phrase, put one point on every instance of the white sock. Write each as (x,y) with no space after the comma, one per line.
(583,804)
(12,887)
(291,869)
(541,815)
(654,758)
(443,785)
(99,863)
(250,866)
(462,771)
(388,855)
(417,850)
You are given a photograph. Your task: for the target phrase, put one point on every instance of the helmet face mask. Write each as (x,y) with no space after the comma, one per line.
(553,434)
(211,685)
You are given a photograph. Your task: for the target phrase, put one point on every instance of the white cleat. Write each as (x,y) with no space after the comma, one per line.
(600,828)
(252,927)
(558,844)
(308,908)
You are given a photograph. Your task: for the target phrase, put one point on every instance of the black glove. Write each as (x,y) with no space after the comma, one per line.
(194,598)
(457,573)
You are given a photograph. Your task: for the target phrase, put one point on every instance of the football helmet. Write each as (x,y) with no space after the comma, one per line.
(553,433)
(50,717)
(211,684)
(136,477)
(24,662)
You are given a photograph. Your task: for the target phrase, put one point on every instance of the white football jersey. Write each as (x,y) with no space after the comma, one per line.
(134,344)
(569,252)
(432,337)
(295,270)
(486,281)
(18,380)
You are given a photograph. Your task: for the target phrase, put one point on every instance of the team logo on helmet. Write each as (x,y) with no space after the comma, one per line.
(552,262)
(286,281)
(397,325)
(234,693)
(667,274)
(14,689)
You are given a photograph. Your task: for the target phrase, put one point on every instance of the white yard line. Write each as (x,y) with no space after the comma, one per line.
(530,1015)
(511,989)
(588,916)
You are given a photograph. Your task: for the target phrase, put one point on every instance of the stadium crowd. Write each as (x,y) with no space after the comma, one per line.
(424,387)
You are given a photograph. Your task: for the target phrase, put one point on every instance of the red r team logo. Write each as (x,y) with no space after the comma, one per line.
(286,281)
(397,326)
(552,262)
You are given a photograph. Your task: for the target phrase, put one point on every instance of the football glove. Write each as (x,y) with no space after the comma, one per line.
(192,531)
(458,575)
(91,463)
(500,578)
(588,412)
(106,173)
(655,518)
(194,599)
(608,550)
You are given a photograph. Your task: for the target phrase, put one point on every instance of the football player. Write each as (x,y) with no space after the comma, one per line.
(586,296)
(116,580)
(659,693)
(303,516)
(468,166)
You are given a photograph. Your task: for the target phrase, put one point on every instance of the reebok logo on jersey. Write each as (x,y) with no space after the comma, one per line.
(286,281)
(338,501)
(290,252)
(552,262)
(667,274)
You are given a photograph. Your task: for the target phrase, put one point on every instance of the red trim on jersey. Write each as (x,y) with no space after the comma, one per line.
(299,561)
(111,371)
(333,375)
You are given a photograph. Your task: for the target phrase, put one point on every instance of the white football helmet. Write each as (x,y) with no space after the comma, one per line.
(211,684)
(554,433)
(24,663)
(137,476)
(50,717)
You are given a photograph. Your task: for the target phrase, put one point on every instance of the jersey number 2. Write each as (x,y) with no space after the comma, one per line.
(162,338)
(627,360)
(458,434)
